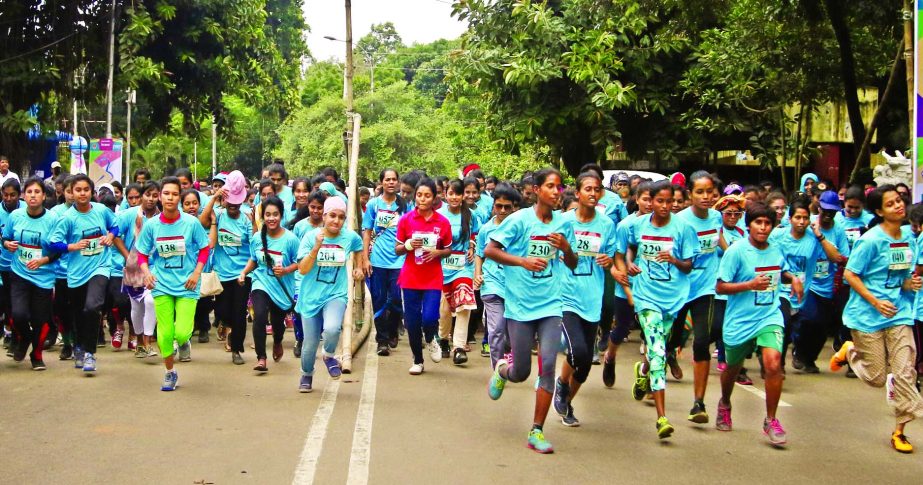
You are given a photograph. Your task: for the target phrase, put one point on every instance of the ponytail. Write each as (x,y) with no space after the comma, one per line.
(458,187)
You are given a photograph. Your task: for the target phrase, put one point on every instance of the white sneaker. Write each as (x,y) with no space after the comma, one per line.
(889,390)
(435,352)
(416,369)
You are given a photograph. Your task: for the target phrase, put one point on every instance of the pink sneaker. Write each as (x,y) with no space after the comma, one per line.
(132,344)
(723,423)
(117,338)
(721,367)
(773,429)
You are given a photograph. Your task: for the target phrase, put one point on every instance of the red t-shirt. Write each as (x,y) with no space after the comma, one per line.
(436,232)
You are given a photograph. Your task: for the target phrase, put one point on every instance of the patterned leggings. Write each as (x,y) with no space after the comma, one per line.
(656,327)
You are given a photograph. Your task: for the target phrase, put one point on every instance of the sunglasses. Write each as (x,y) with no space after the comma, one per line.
(503,207)
(733,213)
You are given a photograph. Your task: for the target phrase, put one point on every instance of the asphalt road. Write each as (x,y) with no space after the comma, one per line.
(224,424)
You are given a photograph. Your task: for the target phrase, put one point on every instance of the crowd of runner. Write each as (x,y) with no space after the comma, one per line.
(730,273)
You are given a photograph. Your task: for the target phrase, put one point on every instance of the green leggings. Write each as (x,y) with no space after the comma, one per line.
(656,328)
(175,319)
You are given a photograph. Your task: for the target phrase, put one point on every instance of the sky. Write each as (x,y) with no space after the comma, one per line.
(418,21)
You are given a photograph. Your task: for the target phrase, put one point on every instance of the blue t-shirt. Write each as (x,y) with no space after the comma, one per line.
(283,251)
(731,235)
(456,264)
(622,233)
(6,257)
(612,206)
(661,286)
(126,221)
(748,312)
(883,264)
(60,267)
(232,250)
(381,218)
(173,253)
(303,226)
(583,286)
(825,270)
(74,226)
(704,274)
(328,279)
(854,227)
(801,256)
(32,234)
(533,295)
(492,272)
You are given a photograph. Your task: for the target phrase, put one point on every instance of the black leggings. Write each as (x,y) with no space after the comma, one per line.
(266,312)
(31,313)
(62,311)
(203,308)
(580,336)
(116,303)
(624,318)
(231,308)
(703,314)
(5,298)
(86,303)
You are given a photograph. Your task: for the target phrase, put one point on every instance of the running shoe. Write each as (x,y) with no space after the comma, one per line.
(435,353)
(639,387)
(497,382)
(900,443)
(296,350)
(277,351)
(744,380)
(305,385)
(261,366)
(840,358)
(810,368)
(185,352)
(889,390)
(773,429)
(133,344)
(236,358)
(721,366)
(723,422)
(459,357)
(392,342)
(675,370)
(89,362)
(141,352)
(664,428)
(19,354)
(203,337)
(117,338)
(169,381)
(561,393)
(416,369)
(538,442)
(485,350)
(383,350)
(697,414)
(78,358)
(444,345)
(596,358)
(569,419)
(333,367)
(220,332)
(796,362)
(151,351)
(37,364)
(67,352)
(609,372)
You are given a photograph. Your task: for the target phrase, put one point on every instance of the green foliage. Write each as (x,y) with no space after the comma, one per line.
(381,40)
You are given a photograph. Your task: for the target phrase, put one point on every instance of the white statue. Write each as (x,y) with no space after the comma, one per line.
(897,169)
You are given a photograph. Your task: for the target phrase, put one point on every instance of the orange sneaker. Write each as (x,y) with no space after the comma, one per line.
(839,359)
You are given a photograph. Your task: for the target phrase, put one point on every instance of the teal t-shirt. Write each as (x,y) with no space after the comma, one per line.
(661,286)
(492,272)
(73,226)
(282,250)
(704,273)
(583,286)
(612,206)
(825,270)
(731,235)
(622,232)
(801,256)
(61,264)
(748,312)
(232,250)
(328,279)
(126,221)
(381,218)
(533,295)
(854,227)
(304,226)
(32,234)
(6,258)
(173,253)
(456,264)
(883,264)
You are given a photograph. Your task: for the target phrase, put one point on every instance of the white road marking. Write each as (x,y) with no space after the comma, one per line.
(314,443)
(761,394)
(362,435)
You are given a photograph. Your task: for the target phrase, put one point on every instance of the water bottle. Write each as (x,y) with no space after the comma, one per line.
(418,255)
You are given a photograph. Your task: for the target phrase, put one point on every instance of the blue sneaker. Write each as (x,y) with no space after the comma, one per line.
(497,382)
(89,362)
(306,384)
(169,381)
(78,358)
(538,442)
(561,392)
(333,367)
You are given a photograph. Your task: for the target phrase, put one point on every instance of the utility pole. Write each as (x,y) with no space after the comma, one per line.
(130,101)
(214,148)
(908,59)
(349,61)
(111,69)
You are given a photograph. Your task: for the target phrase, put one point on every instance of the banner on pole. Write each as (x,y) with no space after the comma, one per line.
(105,160)
(917,121)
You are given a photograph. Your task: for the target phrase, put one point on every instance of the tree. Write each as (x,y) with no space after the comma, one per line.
(382,40)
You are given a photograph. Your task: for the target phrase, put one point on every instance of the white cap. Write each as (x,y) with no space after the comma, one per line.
(55,164)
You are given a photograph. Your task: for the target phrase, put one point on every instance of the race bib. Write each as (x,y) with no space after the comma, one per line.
(429,239)
(94,246)
(588,243)
(329,255)
(774,273)
(275,257)
(454,261)
(170,246)
(822,268)
(708,241)
(540,247)
(228,238)
(651,245)
(853,235)
(27,253)
(900,256)
(385,218)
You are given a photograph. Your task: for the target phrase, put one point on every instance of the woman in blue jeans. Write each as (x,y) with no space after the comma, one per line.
(322,260)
